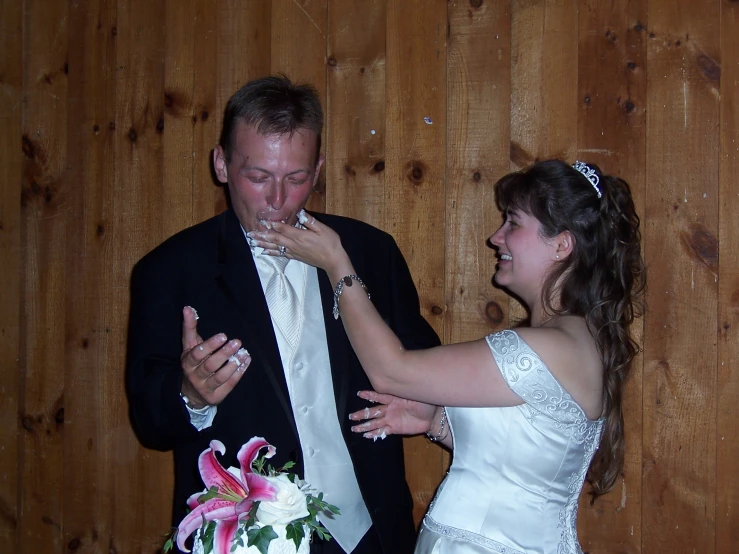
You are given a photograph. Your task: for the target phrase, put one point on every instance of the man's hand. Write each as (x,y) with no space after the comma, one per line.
(210,368)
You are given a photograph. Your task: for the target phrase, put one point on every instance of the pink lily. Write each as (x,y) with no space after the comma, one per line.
(234,497)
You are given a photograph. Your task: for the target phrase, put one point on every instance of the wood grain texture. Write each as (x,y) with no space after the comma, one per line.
(299,31)
(355,126)
(109,112)
(11,176)
(478,134)
(727,447)
(138,223)
(415,172)
(681,240)
(45,211)
(543,88)
(611,122)
(87,464)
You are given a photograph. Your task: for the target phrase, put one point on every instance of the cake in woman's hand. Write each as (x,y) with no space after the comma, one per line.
(250,510)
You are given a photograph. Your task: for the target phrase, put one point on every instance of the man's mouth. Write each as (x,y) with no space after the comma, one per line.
(506,257)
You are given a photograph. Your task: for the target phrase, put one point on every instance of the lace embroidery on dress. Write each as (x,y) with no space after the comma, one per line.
(529,377)
(469,536)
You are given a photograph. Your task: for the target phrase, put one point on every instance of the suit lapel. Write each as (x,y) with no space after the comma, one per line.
(339,348)
(239,282)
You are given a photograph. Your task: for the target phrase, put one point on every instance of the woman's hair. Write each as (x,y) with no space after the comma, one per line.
(601,280)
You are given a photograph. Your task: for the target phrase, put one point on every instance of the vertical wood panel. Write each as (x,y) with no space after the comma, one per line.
(207,198)
(727,446)
(543,87)
(88,466)
(244,38)
(179,119)
(137,226)
(11,63)
(415,206)
(681,244)
(45,214)
(478,142)
(299,30)
(611,122)
(355,126)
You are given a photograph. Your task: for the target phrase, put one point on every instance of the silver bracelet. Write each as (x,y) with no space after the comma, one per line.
(346,281)
(442,426)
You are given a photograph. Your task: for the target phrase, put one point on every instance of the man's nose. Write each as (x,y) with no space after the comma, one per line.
(276,198)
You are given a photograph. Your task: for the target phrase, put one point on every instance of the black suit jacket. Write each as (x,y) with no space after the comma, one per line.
(209,266)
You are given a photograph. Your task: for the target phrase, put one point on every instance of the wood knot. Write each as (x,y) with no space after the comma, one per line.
(477,4)
(114,30)
(160,125)
(629,106)
(85,343)
(436,310)
(96,129)
(631,66)
(332,61)
(378,167)
(476,176)
(28,423)
(709,68)
(29,150)
(132,134)
(73,545)
(494,313)
(415,171)
(586,100)
(59,416)
(204,115)
(349,170)
(100,230)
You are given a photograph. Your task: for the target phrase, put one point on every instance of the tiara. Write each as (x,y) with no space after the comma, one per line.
(589,174)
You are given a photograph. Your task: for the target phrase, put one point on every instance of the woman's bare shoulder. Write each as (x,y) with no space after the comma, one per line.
(568,349)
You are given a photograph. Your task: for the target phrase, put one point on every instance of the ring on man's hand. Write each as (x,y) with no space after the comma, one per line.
(283,249)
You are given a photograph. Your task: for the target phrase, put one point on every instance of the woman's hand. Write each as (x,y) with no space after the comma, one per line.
(317,245)
(392,416)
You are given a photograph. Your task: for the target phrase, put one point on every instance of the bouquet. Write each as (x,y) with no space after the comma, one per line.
(251,506)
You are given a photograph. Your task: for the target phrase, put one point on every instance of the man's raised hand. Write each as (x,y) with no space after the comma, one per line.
(211,368)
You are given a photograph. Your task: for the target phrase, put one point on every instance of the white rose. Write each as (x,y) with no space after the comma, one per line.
(289,505)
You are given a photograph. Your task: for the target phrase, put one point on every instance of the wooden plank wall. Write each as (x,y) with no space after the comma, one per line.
(109,110)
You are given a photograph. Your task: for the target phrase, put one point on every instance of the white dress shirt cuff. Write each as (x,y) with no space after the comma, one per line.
(202,418)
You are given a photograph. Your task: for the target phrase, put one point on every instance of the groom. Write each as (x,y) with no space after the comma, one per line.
(215,353)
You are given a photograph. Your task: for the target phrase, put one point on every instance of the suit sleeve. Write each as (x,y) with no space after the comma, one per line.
(153,374)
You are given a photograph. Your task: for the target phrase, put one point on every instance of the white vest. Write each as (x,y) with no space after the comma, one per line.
(328,466)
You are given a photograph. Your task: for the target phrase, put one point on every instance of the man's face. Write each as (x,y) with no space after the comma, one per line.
(269,177)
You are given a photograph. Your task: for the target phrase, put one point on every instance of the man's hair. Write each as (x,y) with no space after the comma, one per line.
(273,106)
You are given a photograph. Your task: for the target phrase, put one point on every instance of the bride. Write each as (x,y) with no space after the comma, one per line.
(530,412)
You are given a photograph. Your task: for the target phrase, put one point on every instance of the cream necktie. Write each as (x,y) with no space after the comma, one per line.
(282,300)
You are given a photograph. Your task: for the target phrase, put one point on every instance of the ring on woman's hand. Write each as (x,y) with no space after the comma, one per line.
(283,249)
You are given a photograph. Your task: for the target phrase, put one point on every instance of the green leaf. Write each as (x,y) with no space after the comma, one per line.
(208,535)
(294,531)
(261,537)
(210,493)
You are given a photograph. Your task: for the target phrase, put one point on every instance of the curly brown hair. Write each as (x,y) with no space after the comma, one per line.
(603,280)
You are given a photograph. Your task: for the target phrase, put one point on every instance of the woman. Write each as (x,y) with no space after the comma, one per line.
(531,412)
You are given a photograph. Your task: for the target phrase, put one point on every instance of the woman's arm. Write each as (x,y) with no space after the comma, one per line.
(456,375)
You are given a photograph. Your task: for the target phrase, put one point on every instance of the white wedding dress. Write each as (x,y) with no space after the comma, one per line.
(517,472)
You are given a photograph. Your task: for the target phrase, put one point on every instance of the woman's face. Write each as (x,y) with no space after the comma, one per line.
(524,256)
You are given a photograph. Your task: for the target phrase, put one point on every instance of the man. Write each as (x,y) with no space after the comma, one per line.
(238,366)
